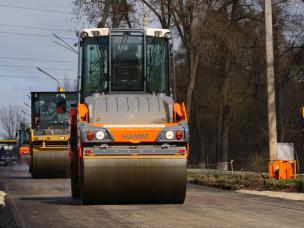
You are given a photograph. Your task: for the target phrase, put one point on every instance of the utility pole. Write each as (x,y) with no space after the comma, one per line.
(272,119)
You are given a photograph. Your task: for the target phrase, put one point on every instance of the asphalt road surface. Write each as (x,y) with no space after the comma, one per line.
(47,203)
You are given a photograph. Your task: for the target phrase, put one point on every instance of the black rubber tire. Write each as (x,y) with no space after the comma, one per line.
(75,187)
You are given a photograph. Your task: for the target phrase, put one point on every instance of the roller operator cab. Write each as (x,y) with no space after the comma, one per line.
(50,133)
(129,140)
(23,141)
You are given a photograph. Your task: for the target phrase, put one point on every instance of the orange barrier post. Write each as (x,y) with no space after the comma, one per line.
(282,169)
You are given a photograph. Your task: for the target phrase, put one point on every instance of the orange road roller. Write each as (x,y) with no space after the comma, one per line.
(128,137)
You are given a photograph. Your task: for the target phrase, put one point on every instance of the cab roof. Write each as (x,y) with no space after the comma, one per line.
(147,31)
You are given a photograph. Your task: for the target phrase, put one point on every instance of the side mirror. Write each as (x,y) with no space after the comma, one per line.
(60,104)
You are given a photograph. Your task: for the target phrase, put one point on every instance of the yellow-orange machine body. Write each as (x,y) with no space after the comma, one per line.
(49,135)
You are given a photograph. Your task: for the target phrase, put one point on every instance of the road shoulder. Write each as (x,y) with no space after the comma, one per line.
(281,195)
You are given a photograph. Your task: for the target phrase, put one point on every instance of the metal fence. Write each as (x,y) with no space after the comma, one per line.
(220,167)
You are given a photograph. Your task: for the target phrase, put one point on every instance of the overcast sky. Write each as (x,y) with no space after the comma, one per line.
(15,17)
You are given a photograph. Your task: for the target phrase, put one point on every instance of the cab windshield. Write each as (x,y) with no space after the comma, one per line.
(129,64)
(45,114)
(95,65)
(24,137)
(157,65)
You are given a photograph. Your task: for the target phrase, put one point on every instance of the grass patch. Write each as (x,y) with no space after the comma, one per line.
(292,185)
(191,173)
(250,181)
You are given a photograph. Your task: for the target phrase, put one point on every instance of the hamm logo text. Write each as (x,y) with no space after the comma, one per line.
(136,136)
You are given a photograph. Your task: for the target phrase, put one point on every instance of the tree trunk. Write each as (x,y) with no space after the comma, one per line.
(201,142)
(225,140)
(115,14)
(105,15)
(224,112)
(219,129)
(193,63)
(226,115)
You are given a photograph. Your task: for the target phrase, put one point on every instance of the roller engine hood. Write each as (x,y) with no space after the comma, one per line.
(130,109)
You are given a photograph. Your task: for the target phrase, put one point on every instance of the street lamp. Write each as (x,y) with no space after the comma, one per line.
(38,68)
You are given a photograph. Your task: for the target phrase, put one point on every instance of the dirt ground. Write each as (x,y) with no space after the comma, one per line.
(2,198)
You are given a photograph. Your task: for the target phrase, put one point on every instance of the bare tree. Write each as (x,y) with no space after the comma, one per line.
(105,13)
(162,10)
(182,16)
(11,117)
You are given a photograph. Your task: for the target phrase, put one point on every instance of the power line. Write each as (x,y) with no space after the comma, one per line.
(37,27)
(36,59)
(34,9)
(31,77)
(34,35)
(33,67)
(64,43)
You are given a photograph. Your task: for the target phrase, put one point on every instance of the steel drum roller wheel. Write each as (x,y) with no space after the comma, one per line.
(50,164)
(144,180)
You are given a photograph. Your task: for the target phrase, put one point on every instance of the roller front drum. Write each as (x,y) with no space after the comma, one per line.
(144,180)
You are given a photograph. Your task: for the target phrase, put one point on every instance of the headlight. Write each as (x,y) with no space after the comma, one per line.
(100,135)
(169,135)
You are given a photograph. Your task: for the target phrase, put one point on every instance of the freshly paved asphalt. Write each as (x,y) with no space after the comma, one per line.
(47,203)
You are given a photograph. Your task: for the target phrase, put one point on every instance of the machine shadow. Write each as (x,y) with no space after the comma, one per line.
(18,178)
(65,200)
(60,200)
